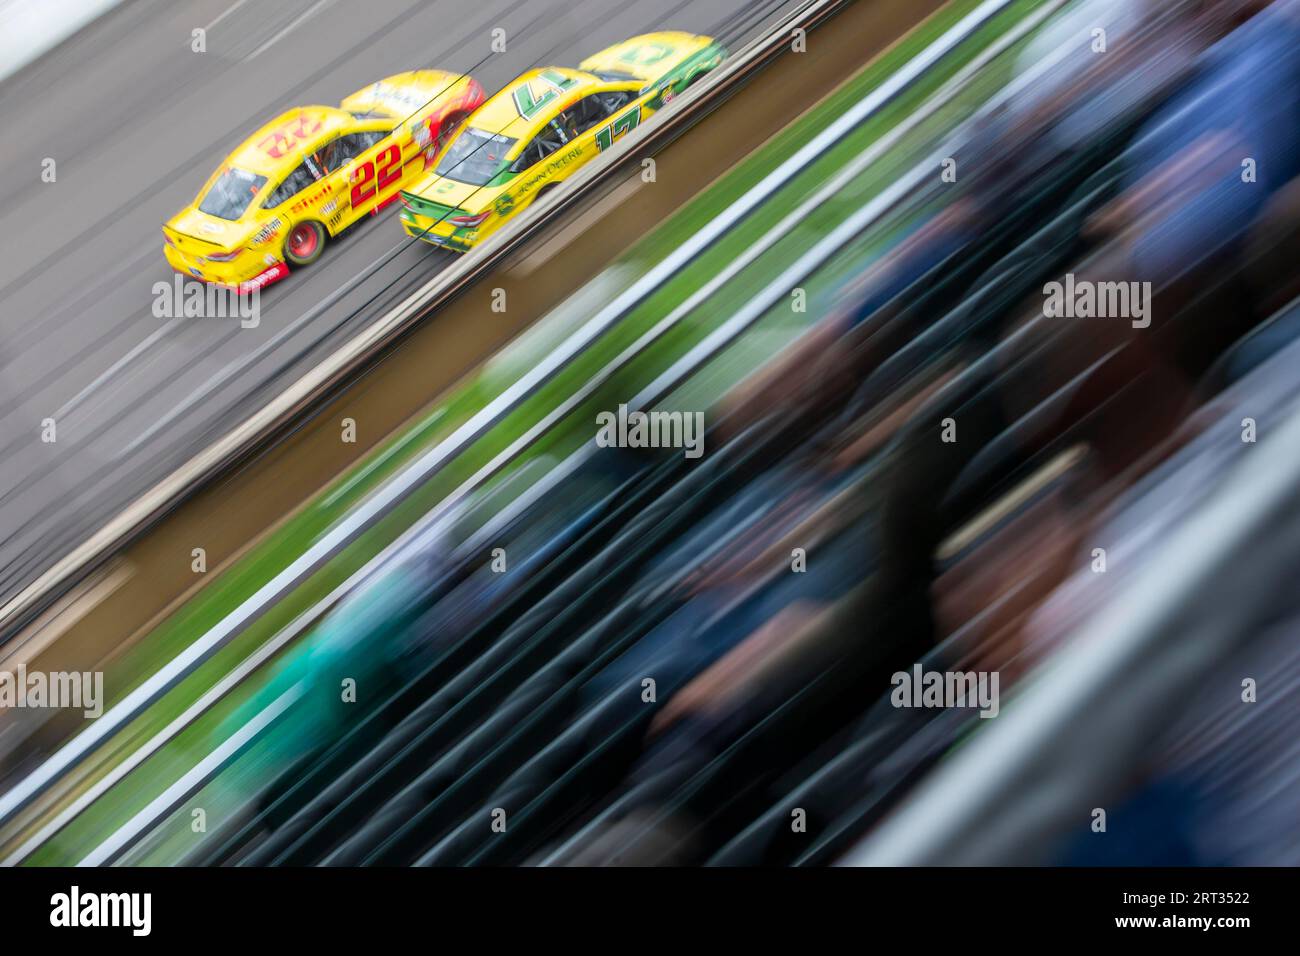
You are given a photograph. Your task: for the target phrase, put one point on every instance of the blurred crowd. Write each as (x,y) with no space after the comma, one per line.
(693,662)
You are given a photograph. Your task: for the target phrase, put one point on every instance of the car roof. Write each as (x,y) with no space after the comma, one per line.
(507,112)
(648,56)
(277,147)
(405,94)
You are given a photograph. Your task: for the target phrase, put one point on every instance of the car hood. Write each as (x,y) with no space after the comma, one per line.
(458,195)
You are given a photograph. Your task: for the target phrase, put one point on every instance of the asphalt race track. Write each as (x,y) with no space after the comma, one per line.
(136,121)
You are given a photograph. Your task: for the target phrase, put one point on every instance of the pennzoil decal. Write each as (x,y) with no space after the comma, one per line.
(387,93)
(267,232)
(326,188)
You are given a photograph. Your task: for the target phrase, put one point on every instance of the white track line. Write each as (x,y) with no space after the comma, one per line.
(106,851)
(307,14)
(108,373)
(137,757)
(229,10)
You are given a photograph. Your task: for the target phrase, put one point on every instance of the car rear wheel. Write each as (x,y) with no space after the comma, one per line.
(545,191)
(305,243)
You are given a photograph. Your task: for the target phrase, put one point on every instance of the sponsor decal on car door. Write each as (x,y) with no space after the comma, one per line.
(610,133)
(374,178)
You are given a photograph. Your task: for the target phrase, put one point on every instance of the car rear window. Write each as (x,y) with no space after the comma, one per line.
(231,193)
(475,157)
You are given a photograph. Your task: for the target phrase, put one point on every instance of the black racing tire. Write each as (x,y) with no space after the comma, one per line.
(546,189)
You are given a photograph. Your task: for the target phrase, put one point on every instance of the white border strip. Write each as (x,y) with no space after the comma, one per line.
(31,28)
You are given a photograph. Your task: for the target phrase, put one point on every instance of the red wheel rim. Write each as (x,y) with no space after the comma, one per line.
(303,240)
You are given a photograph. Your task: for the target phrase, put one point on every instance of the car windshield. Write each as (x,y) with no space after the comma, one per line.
(475,157)
(231,193)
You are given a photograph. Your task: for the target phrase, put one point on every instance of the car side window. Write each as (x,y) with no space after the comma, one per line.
(617,100)
(334,154)
(592,109)
(551,138)
(294,183)
(531,154)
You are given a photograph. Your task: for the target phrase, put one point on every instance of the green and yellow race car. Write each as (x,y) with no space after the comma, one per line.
(543,128)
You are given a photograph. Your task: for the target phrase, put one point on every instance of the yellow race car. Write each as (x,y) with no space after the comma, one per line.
(312,172)
(543,128)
